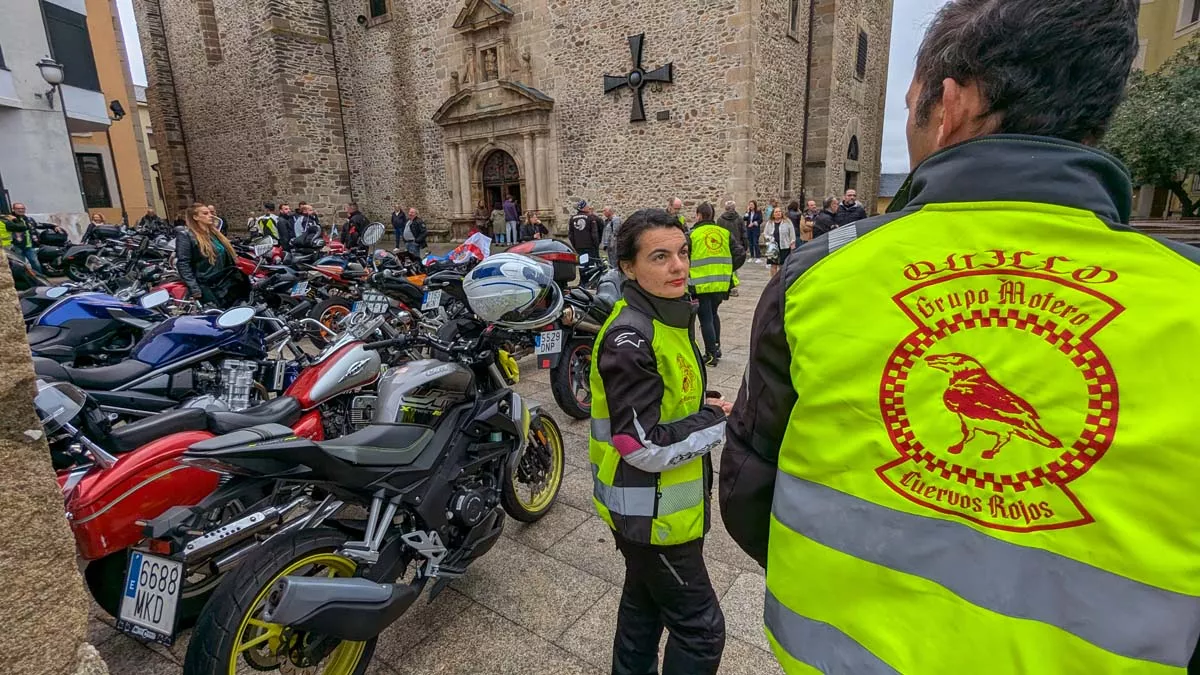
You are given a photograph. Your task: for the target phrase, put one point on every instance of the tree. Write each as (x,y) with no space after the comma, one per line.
(1156,130)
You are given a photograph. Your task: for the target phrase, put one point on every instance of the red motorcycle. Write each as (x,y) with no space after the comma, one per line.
(109,502)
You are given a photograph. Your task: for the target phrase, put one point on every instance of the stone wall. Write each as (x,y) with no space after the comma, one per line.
(44,599)
(290,115)
(841,104)
(781,57)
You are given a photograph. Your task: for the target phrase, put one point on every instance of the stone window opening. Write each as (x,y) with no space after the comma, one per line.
(852,150)
(787,174)
(1189,14)
(860,65)
(378,11)
(794,19)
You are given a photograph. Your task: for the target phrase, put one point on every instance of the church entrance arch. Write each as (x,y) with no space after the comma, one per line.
(500,178)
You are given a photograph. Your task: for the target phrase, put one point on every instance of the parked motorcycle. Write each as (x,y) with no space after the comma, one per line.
(133,484)
(223,355)
(88,329)
(565,348)
(451,450)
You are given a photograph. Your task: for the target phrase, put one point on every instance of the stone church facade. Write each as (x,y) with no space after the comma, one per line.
(443,103)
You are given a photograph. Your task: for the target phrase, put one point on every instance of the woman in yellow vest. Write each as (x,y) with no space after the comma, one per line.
(653,426)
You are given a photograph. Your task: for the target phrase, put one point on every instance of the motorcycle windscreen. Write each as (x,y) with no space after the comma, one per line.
(57,403)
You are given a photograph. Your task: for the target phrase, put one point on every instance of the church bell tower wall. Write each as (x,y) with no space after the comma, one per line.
(257,101)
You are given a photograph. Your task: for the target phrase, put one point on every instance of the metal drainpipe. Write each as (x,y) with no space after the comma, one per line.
(337,82)
(116,174)
(808,68)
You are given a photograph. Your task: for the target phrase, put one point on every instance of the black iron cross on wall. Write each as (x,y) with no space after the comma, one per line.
(637,78)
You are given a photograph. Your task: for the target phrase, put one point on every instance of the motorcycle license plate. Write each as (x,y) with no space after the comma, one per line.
(153,587)
(375,303)
(549,342)
(432,299)
(300,289)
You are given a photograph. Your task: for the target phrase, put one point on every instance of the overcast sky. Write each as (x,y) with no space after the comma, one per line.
(909,20)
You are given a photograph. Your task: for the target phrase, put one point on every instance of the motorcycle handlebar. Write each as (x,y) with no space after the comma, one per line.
(384,344)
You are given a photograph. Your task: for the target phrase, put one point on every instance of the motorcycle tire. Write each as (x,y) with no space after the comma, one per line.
(330,309)
(77,271)
(570,379)
(215,643)
(543,457)
(106,582)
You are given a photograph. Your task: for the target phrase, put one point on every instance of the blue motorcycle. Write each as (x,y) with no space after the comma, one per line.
(87,329)
(224,356)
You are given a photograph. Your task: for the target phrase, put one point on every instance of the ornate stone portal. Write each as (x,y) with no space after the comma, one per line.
(495,124)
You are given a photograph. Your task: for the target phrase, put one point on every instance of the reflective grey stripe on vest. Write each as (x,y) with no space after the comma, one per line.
(681,497)
(602,430)
(842,236)
(716,260)
(711,279)
(1118,614)
(819,644)
(627,501)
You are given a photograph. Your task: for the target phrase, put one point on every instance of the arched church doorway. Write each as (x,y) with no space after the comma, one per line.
(501,177)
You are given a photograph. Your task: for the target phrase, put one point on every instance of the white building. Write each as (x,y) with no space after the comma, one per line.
(37,163)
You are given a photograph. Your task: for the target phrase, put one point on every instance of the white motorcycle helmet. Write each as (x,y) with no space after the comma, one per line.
(513,291)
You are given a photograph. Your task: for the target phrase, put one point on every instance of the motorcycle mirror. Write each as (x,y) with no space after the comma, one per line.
(238,316)
(373,234)
(155,299)
(57,292)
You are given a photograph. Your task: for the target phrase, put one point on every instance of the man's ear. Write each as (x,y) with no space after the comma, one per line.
(962,113)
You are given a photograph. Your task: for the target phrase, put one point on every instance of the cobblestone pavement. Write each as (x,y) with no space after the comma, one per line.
(544,600)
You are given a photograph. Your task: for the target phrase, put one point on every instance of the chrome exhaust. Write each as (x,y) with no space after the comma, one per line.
(239,530)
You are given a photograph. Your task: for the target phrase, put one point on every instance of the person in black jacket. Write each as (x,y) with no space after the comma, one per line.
(356,224)
(533,228)
(850,210)
(23,230)
(665,586)
(415,234)
(204,258)
(826,220)
(287,226)
(584,232)
(399,220)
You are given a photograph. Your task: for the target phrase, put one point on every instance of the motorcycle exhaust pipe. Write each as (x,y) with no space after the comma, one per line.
(239,530)
(235,557)
(588,326)
(352,609)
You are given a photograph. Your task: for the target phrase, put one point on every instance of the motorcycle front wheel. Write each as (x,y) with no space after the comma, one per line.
(231,628)
(536,474)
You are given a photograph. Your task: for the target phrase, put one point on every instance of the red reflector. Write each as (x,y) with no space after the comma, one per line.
(160,546)
(562,257)
(545,363)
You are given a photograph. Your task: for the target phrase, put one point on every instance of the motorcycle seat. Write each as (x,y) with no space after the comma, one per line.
(255,434)
(283,411)
(136,434)
(381,445)
(100,377)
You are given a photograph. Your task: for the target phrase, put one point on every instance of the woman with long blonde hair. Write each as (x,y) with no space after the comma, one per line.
(204,258)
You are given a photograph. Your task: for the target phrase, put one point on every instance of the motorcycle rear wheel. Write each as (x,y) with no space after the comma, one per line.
(538,471)
(230,631)
(330,312)
(569,380)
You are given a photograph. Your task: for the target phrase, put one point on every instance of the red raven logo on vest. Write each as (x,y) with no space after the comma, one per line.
(1001,395)
(983,405)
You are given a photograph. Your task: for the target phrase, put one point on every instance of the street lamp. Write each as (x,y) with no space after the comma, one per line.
(52,73)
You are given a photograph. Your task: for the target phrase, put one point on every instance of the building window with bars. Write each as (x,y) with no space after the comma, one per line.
(860,64)
(95,180)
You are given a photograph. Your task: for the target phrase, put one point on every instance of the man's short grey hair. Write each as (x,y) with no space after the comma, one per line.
(1044,67)
(730,205)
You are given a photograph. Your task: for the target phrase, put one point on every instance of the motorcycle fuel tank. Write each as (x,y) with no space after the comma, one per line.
(89,306)
(186,335)
(423,385)
(347,369)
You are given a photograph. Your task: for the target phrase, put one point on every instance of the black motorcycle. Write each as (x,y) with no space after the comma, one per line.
(51,248)
(451,450)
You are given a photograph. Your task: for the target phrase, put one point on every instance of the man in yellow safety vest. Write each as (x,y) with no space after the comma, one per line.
(966,439)
(715,256)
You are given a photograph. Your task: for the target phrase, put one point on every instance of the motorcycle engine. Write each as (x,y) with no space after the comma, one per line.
(469,506)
